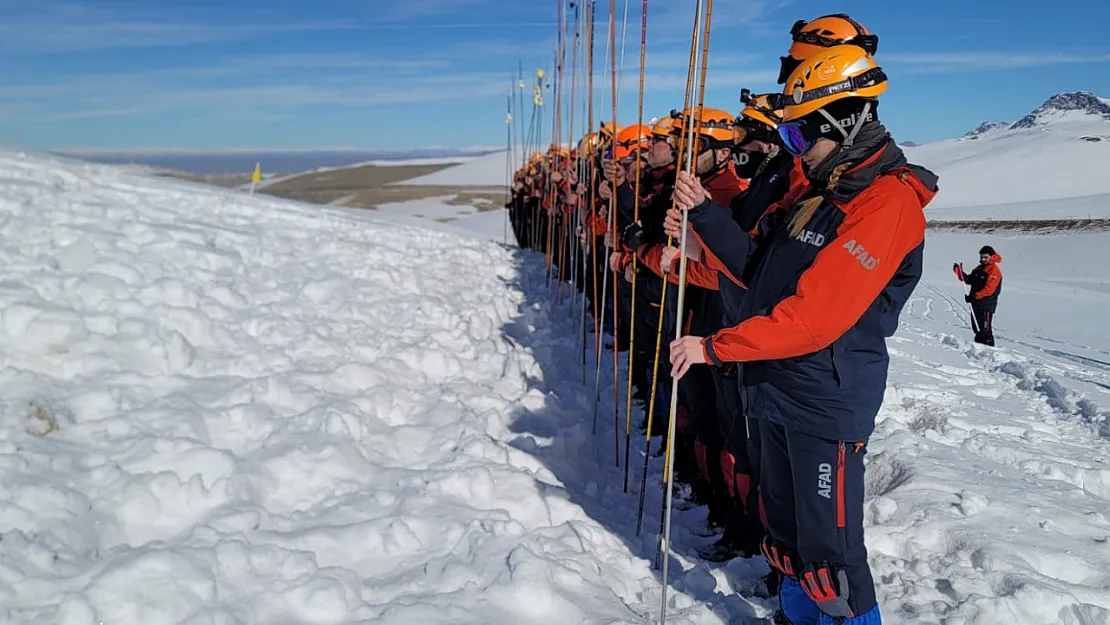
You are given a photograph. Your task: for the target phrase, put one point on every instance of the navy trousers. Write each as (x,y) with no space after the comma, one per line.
(813,498)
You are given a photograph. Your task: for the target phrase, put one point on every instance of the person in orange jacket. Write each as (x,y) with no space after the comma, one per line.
(986,284)
(828,275)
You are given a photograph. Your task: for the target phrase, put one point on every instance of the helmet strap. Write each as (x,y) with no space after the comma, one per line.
(717,167)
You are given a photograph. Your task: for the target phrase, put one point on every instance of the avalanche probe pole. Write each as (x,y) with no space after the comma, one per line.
(635,219)
(678,325)
(679,153)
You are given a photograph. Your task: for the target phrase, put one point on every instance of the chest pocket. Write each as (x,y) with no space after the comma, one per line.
(787,255)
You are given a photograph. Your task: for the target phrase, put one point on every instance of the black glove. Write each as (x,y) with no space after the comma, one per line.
(633,236)
(969,299)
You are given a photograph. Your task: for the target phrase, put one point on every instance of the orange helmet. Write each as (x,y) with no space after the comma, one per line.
(758,109)
(713,125)
(824,32)
(759,120)
(630,137)
(589,143)
(662,127)
(834,74)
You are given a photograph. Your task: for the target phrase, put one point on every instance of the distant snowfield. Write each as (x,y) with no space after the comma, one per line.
(444,160)
(487,171)
(1023,174)
(491,224)
(276,413)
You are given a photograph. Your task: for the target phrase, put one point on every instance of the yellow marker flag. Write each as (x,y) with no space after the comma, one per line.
(256,177)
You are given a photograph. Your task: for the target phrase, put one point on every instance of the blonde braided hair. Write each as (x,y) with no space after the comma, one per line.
(807,208)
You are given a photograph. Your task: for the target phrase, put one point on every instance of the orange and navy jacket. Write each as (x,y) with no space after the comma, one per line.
(723,187)
(779,174)
(986,283)
(820,305)
(780,181)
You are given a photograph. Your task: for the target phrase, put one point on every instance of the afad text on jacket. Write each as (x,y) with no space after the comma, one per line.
(820,305)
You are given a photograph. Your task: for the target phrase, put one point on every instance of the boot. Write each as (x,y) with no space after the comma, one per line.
(738,540)
(715,522)
(771,583)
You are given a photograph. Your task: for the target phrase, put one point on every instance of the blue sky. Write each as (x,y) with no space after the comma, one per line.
(220,74)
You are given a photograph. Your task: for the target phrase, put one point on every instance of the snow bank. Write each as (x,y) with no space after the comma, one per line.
(485,171)
(222,409)
(225,409)
(1023,173)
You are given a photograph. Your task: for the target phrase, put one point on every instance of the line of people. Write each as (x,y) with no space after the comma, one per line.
(805,234)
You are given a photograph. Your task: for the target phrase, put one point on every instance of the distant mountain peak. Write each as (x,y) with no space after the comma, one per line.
(987,127)
(1081,101)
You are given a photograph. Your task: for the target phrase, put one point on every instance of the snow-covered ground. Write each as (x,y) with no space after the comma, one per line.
(492,224)
(225,409)
(483,171)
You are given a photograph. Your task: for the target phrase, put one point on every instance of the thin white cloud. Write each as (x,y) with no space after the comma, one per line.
(61,27)
(955,62)
(284,85)
(149,92)
(163,151)
(91,113)
(418,9)
(672,16)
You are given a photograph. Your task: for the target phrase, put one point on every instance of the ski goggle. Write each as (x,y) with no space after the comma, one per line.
(793,139)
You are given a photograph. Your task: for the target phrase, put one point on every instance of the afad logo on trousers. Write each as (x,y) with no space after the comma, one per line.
(824,480)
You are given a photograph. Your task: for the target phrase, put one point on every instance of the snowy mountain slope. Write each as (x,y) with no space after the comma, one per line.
(1057,152)
(483,171)
(271,413)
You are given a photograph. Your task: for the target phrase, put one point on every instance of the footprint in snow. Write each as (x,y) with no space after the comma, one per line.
(971,503)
